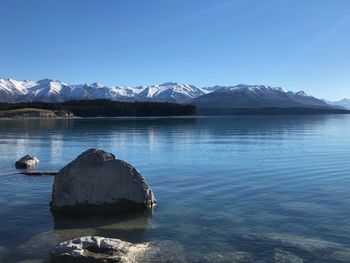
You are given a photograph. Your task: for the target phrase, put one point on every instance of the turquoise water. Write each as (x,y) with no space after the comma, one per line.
(265,186)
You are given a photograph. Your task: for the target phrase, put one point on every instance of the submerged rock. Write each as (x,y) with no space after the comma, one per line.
(282,256)
(96,180)
(306,244)
(126,226)
(288,246)
(3,252)
(226,257)
(39,246)
(100,249)
(26,162)
(342,256)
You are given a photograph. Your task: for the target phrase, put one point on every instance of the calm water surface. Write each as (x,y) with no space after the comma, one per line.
(276,188)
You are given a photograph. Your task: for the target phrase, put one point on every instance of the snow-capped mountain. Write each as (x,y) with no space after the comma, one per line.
(11,89)
(240,96)
(48,90)
(170,92)
(344,103)
(256,96)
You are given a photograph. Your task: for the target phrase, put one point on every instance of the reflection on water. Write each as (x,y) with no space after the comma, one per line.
(66,227)
(238,189)
(129,227)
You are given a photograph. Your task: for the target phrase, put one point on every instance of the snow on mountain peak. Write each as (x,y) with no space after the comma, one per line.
(96,85)
(253,89)
(255,96)
(258,87)
(302,93)
(49,90)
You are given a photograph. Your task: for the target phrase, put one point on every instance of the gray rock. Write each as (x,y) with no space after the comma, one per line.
(96,180)
(26,162)
(282,256)
(100,249)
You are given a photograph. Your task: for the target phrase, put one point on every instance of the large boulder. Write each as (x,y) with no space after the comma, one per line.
(27,161)
(96,180)
(101,249)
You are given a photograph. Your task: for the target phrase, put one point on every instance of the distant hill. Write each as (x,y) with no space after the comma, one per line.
(344,103)
(257,96)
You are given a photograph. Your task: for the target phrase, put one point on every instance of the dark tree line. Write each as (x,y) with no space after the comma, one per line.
(108,108)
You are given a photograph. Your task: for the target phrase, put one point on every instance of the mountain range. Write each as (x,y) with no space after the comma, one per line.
(48,90)
(239,96)
(257,96)
(344,103)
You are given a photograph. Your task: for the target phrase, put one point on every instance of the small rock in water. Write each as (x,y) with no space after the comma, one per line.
(101,249)
(97,181)
(26,162)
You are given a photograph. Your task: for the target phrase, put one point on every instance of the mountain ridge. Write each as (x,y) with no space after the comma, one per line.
(257,96)
(238,96)
(49,90)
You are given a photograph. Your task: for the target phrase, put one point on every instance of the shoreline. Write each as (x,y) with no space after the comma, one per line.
(43,113)
(168,117)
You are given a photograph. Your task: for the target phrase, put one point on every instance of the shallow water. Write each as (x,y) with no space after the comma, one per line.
(272,187)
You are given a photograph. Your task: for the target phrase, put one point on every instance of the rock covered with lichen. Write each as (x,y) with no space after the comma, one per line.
(97,180)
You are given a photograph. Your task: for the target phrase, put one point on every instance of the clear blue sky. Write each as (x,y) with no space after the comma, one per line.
(300,45)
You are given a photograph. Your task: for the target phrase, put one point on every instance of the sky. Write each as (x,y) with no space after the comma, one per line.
(299,45)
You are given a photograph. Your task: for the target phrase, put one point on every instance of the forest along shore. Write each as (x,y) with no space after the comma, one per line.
(95,108)
(108,108)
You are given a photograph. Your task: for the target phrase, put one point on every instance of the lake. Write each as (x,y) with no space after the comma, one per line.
(250,189)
